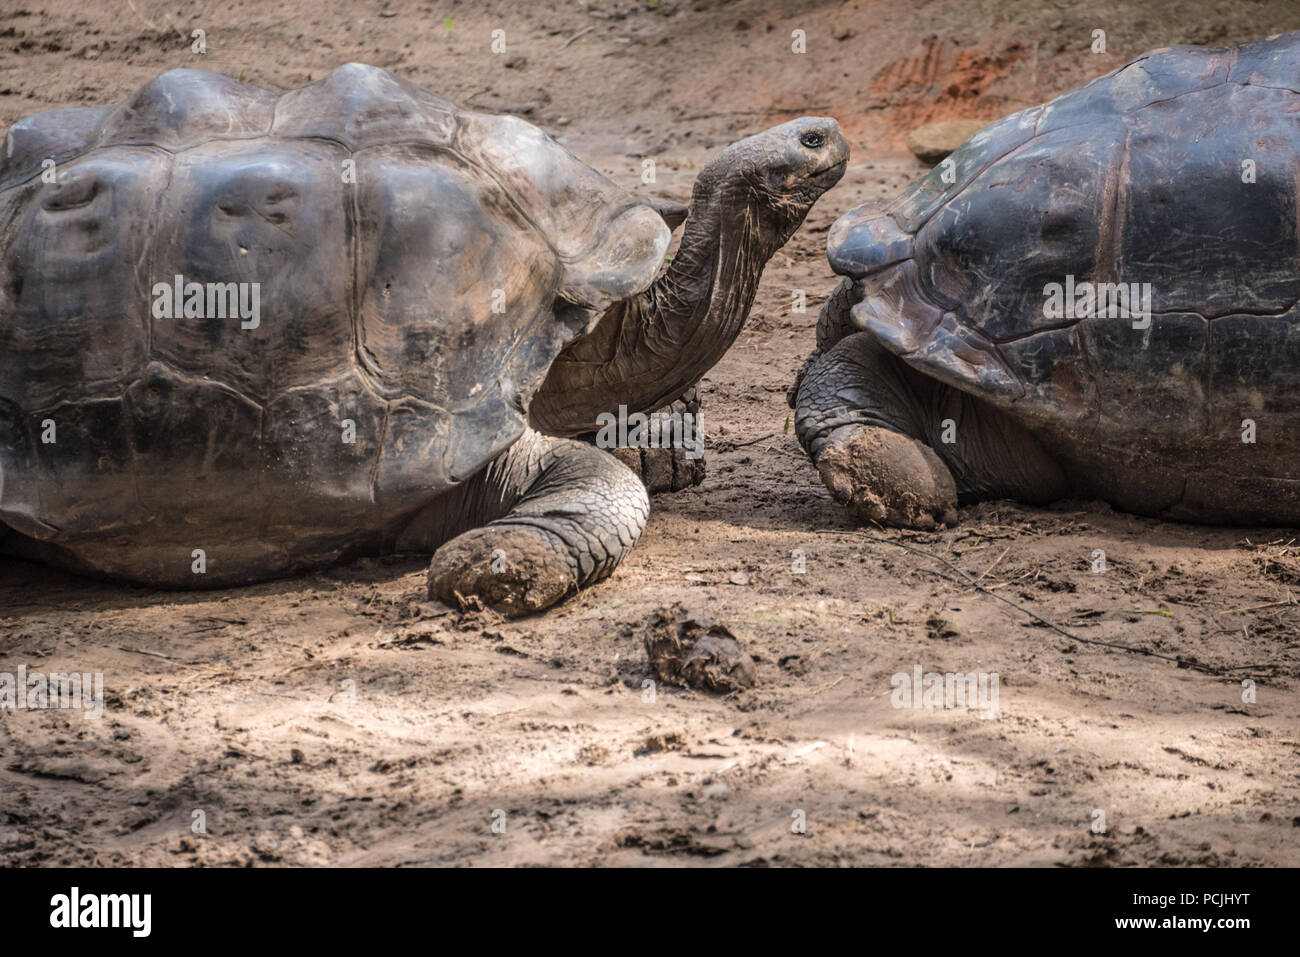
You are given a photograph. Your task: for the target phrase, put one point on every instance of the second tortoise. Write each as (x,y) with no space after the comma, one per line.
(1096,297)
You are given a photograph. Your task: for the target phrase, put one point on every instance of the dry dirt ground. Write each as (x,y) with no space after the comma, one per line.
(341,719)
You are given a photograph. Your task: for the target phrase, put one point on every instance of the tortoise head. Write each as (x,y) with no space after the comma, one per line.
(777,174)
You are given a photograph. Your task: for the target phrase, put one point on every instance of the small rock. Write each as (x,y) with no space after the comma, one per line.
(266,845)
(841,32)
(739,578)
(931,143)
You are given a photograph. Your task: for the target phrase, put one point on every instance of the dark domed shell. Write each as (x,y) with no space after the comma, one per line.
(1136,178)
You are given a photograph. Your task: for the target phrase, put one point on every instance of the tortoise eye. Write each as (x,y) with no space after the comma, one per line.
(813,139)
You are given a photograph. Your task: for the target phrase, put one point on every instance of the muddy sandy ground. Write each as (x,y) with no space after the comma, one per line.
(342,719)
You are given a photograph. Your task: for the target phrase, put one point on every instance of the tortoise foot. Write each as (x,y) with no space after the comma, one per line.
(880,475)
(514,569)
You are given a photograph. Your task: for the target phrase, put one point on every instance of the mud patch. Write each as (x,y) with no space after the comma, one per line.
(685,652)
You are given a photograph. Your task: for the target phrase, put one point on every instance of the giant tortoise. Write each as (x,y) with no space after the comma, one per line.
(1096,297)
(246,333)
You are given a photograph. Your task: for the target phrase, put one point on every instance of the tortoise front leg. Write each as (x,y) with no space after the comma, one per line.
(557,515)
(858,420)
(896,447)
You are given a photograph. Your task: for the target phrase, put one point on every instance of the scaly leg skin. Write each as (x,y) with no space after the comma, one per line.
(874,429)
(665,469)
(834,322)
(553,516)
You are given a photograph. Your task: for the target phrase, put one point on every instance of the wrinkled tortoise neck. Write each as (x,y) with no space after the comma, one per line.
(647,350)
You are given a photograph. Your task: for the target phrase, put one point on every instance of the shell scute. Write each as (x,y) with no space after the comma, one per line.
(1022,224)
(363,106)
(322,441)
(919,201)
(1160,75)
(263,227)
(74,278)
(182,108)
(55,135)
(193,426)
(73,489)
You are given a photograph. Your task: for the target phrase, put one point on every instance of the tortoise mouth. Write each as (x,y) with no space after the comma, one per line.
(830,173)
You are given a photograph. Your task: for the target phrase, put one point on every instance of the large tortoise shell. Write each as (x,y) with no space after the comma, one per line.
(419,267)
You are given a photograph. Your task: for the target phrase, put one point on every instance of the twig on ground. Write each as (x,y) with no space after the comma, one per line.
(761,438)
(826,687)
(580,33)
(995,563)
(141,651)
(1269,604)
